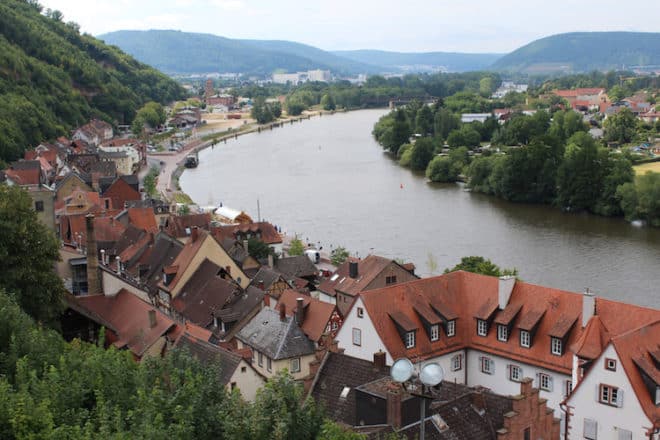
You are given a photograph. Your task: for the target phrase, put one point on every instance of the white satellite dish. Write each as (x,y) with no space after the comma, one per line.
(402,370)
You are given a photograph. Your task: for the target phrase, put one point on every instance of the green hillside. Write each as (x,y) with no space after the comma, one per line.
(177,52)
(52,79)
(584,51)
(422,61)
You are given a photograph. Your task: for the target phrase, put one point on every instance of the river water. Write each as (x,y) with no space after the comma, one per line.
(328,181)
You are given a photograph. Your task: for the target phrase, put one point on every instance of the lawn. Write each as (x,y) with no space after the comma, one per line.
(643,168)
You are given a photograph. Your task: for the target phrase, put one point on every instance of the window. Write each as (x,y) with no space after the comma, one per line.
(545,382)
(515,373)
(261,359)
(524,338)
(410,339)
(527,435)
(295,365)
(568,387)
(233,386)
(624,434)
(610,364)
(390,279)
(590,429)
(457,362)
(269,364)
(487,365)
(482,327)
(502,333)
(360,312)
(243,369)
(435,332)
(451,328)
(39,206)
(609,395)
(556,346)
(357,336)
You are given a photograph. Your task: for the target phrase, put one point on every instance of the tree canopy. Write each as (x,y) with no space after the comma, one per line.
(483,266)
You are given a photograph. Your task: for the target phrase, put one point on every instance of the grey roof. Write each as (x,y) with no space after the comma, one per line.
(163,252)
(267,276)
(241,305)
(208,353)
(25,165)
(298,266)
(278,339)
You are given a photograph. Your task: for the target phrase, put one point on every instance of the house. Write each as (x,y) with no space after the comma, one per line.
(355,276)
(277,343)
(230,216)
(72,182)
(202,246)
(297,268)
(238,251)
(181,226)
(317,319)
(235,372)
(485,331)
(584,99)
(271,282)
(94,132)
(120,192)
(262,231)
(25,173)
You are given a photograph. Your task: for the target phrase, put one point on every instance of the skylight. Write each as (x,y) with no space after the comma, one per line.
(344,392)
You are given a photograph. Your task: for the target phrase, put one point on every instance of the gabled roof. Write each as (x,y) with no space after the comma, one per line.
(129,317)
(316,316)
(184,258)
(143,218)
(210,354)
(277,339)
(266,232)
(120,192)
(299,266)
(267,276)
(181,225)
(592,341)
(161,254)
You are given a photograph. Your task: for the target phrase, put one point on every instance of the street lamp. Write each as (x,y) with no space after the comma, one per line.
(431,374)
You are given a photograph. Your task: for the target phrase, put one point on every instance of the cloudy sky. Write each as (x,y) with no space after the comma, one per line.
(407,26)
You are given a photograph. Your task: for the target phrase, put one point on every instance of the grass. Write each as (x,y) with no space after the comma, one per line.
(184,198)
(643,168)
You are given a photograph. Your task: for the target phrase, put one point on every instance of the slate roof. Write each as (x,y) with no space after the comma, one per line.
(267,276)
(276,338)
(210,354)
(161,254)
(297,266)
(241,305)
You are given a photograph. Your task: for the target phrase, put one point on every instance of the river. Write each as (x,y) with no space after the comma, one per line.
(328,181)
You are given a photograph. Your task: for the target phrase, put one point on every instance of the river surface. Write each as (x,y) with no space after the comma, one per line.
(328,181)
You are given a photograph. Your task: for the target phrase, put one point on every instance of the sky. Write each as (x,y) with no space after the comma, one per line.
(405,26)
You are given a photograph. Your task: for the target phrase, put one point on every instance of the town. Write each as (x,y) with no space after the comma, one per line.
(148,274)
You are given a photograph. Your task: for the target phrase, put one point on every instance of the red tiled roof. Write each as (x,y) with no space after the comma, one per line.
(129,317)
(268,233)
(184,258)
(29,176)
(317,313)
(120,192)
(177,224)
(143,218)
(106,229)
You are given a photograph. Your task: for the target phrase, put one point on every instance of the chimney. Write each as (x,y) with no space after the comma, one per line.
(118,261)
(194,233)
(93,282)
(103,257)
(267,300)
(152,318)
(379,360)
(394,405)
(228,270)
(270,261)
(282,312)
(245,246)
(504,289)
(300,311)
(353,269)
(588,306)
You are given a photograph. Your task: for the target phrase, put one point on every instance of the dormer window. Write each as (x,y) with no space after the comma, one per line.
(410,339)
(556,346)
(482,327)
(525,339)
(435,332)
(502,333)
(450,328)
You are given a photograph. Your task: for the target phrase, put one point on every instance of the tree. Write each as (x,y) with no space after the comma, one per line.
(296,247)
(481,265)
(620,127)
(424,120)
(580,175)
(258,249)
(422,153)
(28,251)
(400,131)
(642,200)
(327,102)
(338,255)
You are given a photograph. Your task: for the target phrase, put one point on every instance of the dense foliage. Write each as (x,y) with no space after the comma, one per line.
(28,252)
(53,78)
(264,112)
(483,266)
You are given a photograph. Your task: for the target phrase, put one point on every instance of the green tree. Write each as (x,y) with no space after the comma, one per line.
(422,153)
(258,249)
(296,247)
(328,103)
(28,251)
(580,175)
(424,120)
(620,127)
(645,198)
(483,266)
(400,131)
(338,255)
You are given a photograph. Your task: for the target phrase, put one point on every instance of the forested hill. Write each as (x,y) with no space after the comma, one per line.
(584,51)
(185,52)
(52,79)
(422,61)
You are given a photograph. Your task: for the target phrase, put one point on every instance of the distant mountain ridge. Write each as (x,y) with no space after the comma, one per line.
(584,51)
(422,61)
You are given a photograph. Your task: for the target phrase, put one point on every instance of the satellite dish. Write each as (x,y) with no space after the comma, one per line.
(431,374)
(402,370)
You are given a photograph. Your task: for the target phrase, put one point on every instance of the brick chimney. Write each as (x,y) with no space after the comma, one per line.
(394,405)
(93,281)
(380,360)
(353,269)
(300,311)
(152,318)
(194,234)
(283,312)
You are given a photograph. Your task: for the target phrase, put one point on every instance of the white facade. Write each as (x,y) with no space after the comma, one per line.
(325,297)
(611,421)
(369,342)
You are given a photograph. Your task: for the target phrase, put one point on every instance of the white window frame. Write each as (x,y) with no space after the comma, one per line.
(525,339)
(457,362)
(515,373)
(610,364)
(487,365)
(357,336)
(295,365)
(502,333)
(545,382)
(482,327)
(556,346)
(435,332)
(451,328)
(410,339)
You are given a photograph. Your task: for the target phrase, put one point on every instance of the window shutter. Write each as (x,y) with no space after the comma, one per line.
(492,366)
(597,393)
(619,398)
(624,434)
(550,383)
(590,429)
